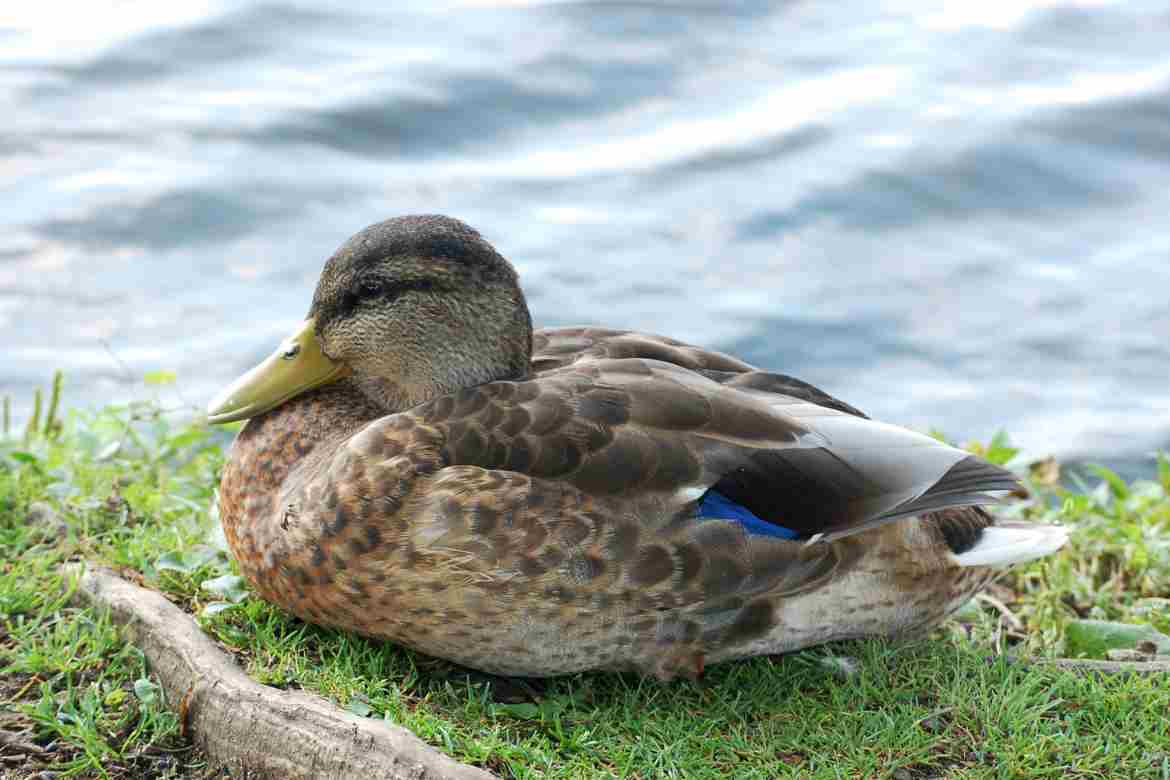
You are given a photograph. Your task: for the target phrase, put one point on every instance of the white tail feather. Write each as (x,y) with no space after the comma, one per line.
(1003,545)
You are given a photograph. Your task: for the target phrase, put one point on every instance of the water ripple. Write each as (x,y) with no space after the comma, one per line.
(953,218)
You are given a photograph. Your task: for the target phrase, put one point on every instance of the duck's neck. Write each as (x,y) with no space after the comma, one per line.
(308,427)
(410,388)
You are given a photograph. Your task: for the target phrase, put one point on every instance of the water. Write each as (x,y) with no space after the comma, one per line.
(952,220)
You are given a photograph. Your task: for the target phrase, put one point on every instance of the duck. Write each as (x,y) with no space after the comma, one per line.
(420,465)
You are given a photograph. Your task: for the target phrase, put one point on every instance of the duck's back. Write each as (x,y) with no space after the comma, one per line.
(831,460)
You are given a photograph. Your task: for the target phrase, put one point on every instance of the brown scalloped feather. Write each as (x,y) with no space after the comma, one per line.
(548,526)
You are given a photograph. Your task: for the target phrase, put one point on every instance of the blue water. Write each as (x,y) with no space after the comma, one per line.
(953,220)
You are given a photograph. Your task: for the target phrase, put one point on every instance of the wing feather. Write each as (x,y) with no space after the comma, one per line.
(658,433)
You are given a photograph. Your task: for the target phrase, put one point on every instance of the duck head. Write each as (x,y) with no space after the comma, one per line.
(406,310)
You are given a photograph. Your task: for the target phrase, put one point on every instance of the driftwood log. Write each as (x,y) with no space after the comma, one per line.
(254,730)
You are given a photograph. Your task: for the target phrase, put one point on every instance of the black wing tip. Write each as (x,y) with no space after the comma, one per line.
(975,467)
(970,482)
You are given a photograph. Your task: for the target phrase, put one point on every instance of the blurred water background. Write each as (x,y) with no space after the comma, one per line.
(955,219)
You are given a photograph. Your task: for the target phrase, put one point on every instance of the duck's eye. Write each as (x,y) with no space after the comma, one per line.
(381,291)
(365,290)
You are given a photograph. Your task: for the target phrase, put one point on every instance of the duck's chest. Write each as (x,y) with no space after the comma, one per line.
(272,453)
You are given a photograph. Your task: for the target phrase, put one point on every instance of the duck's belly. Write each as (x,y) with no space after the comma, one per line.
(513,627)
(515,632)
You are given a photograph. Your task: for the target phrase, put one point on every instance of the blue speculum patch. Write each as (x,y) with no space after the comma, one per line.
(716,506)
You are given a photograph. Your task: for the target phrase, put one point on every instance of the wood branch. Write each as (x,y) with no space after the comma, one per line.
(18,744)
(1090,665)
(254,730)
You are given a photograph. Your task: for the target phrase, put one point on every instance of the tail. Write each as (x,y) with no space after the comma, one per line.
(1011,541)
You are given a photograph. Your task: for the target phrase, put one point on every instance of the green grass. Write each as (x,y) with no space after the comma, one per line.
(124,487)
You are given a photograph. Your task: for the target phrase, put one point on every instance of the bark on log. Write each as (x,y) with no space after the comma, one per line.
(253,730)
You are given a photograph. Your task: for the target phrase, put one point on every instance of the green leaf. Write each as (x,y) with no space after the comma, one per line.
(62,490)
(215,607)
(1152,606)
(229,587)
(200,555)
(23,457)
(522,710)
(216,537)
(1000,451)
(1093,638)
(187,561)
(115,698)
(1102,495)
(161,377)
(1116,484)
(176,500)
(359,707)
(187,438)
(109,451)
(146,691)
(233,635)
(173,561)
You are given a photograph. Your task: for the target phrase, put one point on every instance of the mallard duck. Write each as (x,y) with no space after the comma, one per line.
(421,466)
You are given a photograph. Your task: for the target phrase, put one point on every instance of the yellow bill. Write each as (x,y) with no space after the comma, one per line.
(296,366)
